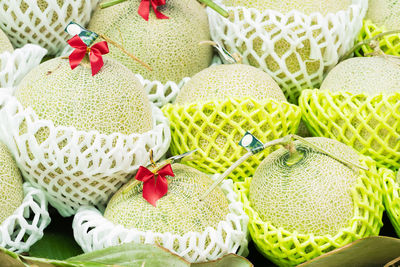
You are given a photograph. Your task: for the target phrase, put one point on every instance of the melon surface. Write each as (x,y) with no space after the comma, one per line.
(5,44)
(384,13)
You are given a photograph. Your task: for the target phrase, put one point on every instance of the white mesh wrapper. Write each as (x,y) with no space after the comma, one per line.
(77,168)
(25,226)
(14,66)
(43,22)
(93,232)
(330,36)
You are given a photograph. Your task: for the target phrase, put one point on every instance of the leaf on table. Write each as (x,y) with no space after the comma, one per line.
(230,260)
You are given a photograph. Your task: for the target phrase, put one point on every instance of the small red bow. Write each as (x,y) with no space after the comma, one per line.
(154,187)
(95,53)
(144,8)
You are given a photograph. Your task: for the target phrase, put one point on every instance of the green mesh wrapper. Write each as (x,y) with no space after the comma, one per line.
(216,127)
(390,44)
(286,248)
(391,198)
(369,124)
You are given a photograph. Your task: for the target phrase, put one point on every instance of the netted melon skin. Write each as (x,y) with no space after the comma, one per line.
(369,124)
(390,44)
(294,48)
(42,22)
(216,127)
(391,198)
(285,248)
(5,44)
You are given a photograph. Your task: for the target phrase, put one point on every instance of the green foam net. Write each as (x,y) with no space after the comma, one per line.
(390,44)
(391,198)
(286,248)
(216,127)
(369,124)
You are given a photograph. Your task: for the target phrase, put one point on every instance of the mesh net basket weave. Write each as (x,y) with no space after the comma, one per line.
(14,66)
(93,232)
(26,225)
(369,124)
(43,22)
(76,168)
(216,127)
(391,198)
(390,44)
(294,48)
(286,248)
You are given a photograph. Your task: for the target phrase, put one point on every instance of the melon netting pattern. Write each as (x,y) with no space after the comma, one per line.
(369,124)
(286,248)
(216,127)
(26,225)
(76,168)
(43,22)
(391,198)
(390,44)
(93,232)
(15,65)
(294,48)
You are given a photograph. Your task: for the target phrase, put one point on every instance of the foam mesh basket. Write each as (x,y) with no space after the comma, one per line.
(389,44)
(72,167)
(26,225)
(391,198)
(369,124)
(215,128)
(93,232)
(256,34)
(285,248)
(42,22)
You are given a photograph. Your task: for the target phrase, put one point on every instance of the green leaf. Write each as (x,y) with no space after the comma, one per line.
(370,251)
(230,260)
(133,254)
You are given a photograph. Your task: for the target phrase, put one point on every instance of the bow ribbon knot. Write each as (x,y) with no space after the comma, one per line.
(155,185)
(144,8)
(95,52)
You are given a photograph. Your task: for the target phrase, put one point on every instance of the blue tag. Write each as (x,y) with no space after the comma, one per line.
(251,143)
(86,36)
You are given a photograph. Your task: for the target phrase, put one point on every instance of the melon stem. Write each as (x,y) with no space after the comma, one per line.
(208,3)
(285,141)
(294,155)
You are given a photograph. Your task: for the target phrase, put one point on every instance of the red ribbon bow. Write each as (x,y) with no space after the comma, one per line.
(95,53)
(144,8)
(154,187)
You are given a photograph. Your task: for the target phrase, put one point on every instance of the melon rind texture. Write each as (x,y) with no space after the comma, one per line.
(11,192)
(389,44)
(296,49)
(286,248)
(178,212)
(384,13)
(5,44)
(369,124)
(170,46)
(391,198)
(42,22)
(216,127)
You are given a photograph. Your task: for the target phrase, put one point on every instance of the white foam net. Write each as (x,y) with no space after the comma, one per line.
(76,168)
(43,22)
(26,225)
(258,36)
(93,232)
(15,65)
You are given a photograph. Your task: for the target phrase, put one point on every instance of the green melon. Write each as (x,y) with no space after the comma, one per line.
(311,196)
(170,46)
(112,101)
(5,44)
(11,191)
(180,211)
(384,13)
(231,80)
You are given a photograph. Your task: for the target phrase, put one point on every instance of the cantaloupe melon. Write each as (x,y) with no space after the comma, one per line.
(11,192)
(5,44)
(384,13)
(180,211)
(111,101)
(170,46)
(311,196)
